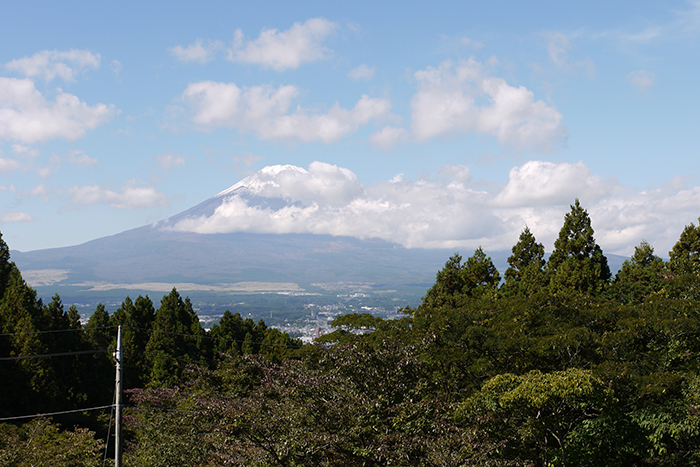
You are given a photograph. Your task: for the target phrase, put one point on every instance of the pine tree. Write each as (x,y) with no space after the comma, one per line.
(479,275)
(448,284)
(525,275)
(5,265)
(684,258)
(176,340)
(577,262)
(639,277)
(136,319)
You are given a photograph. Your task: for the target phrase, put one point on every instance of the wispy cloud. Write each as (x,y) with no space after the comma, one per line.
(15,216)
(9,165)
(49,64)
(78,157)
(558,50)
(170,159)
(198,52)
(362,72)
(642,80)
(131,196)
(282,50)
(388,137)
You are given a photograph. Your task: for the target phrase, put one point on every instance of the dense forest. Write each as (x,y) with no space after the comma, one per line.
(557,363)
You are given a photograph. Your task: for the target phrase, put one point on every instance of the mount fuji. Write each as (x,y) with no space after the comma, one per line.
(201,253)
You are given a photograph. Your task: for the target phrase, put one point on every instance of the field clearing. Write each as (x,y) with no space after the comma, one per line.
(188,287)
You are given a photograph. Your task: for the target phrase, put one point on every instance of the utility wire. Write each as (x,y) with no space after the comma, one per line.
(151,331)
(60,354)
(55,413)
(83,329)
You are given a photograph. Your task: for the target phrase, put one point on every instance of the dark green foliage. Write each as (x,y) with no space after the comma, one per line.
(41,443)
(448,285)
(136,319)
(557,368)
(6,267)
(577,262)
(685,255)
(525,276)
(640,276)
(479,275)
(457,283)
(176,340)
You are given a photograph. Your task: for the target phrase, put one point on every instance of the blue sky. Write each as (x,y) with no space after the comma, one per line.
(431,124)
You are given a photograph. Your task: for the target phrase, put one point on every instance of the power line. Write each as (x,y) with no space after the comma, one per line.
(151,331)
(83,329)
(60,354)
(55,413)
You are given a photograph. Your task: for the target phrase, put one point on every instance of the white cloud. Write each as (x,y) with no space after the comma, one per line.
(362,72)
(169,159)
(25,151)
(266,111)
(116,67)
(129,197)
(78,157)
(450,209)
(539,182)
(27,117)
(286,49)
(41,191)
(197,52)
(466,42)
(16,216)
(49,64)
(8,165)
(643,80)
(388,137)
(448,101)
(558,48)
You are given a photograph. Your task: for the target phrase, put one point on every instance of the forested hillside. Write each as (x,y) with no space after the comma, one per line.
(553,363)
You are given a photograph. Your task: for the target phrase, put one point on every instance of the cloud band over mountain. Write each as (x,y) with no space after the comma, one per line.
(449,209)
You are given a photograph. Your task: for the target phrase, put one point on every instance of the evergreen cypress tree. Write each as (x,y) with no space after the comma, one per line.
(479,275)
(448,284)
(639,277)
(577,262)
(175,341)
(684,258)
(525,275)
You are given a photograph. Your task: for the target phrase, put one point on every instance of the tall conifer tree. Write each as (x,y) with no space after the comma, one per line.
(524,275)
(577,262)
(684,258)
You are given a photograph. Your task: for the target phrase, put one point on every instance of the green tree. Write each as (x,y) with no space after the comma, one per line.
(229,333)
(479,275)
(136,319)
(41,442)
(5,265)
(457,281)
(21,318)
(525,275)
(176,340)
(639,277)
(448,284)
(535,414)
(577,262)
(684,258)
